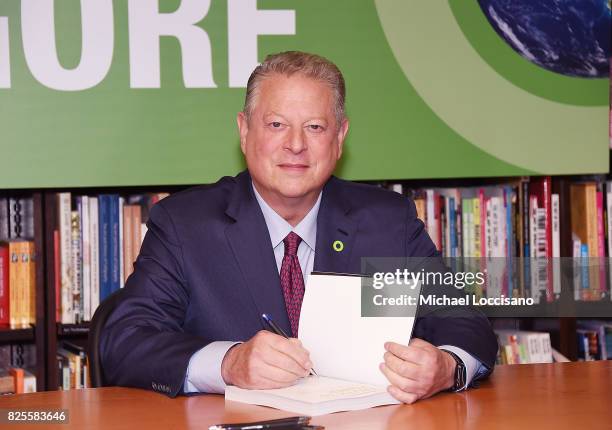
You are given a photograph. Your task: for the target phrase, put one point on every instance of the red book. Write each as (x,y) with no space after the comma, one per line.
(4,285)
(540,188)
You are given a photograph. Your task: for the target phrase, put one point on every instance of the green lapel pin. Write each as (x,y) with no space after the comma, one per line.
(338,245)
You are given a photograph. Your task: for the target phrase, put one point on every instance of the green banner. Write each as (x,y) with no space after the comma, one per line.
(145,92)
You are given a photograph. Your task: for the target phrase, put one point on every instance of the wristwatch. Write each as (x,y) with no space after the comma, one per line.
(460,373)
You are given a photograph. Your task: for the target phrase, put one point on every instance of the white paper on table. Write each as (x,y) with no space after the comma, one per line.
(342,343)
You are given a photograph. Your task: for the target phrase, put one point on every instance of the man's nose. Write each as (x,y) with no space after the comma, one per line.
(296,142)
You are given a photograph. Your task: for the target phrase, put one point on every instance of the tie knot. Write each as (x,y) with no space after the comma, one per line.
(292,241)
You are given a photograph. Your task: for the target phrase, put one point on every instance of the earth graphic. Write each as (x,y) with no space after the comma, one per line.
(570,37)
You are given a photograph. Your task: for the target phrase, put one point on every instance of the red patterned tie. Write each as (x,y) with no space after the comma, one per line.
(292,281)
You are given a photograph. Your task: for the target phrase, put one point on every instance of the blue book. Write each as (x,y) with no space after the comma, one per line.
(104,248)
(584,265)
(114,257)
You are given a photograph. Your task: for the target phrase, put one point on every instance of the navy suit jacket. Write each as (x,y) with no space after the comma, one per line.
(206,272)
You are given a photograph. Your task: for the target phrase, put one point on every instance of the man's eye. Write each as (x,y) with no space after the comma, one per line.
(315,127)
(276,124)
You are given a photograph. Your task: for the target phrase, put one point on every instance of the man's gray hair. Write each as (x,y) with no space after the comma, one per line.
(310,65)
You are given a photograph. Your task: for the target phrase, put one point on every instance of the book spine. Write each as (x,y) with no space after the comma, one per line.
(452,230)
(601,247)
(58,276)
(64,213)
(115,262)
(95,255)
(104,238)
(127,240)
(31,274)
(477,231)
(18,375)
(556,244)
(86,255)
(4,219)
(431,218)
(15,218)
(121,221)
(4,285)
(609,216)
(483,222)
(77,271)
(509,241)
(15,284)
(136,230)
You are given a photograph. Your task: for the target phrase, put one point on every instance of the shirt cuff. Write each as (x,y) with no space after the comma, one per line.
(473,367)
(204,369)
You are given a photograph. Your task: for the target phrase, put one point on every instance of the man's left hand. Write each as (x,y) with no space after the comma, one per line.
(417,371)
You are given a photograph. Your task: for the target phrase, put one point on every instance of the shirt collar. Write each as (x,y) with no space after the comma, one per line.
(279,228)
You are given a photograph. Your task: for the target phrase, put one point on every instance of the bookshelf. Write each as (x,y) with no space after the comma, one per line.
(35,334)
(47,334)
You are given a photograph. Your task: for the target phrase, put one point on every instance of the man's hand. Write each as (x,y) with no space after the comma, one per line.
(267,360)
(417,371)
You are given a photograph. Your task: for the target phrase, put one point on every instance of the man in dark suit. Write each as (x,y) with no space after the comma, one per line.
(216,257)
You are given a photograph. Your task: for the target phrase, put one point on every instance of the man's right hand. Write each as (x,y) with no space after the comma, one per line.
(266,361)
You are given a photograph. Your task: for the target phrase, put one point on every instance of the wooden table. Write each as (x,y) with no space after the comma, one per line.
(538,396)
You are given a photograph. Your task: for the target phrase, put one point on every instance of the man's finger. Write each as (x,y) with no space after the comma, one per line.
(404,384)
(404,368)
(293,350)
(276,376)
(407,353)
(402,396)
(278,359)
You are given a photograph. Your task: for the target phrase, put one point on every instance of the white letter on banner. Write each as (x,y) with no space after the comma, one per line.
(245,23)
(38,33)
(147,25)
(5,58)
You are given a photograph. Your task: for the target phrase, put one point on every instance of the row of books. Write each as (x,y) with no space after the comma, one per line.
(17,283)
(594,340)
(523,347)
(96,241)
(521,218)
(72,367)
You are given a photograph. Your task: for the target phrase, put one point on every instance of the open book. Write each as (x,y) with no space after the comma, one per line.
(345,349)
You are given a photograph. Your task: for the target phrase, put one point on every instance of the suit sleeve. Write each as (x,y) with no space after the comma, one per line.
(461,326)
(143,343)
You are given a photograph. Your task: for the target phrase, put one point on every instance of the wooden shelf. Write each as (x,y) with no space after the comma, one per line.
(8,335)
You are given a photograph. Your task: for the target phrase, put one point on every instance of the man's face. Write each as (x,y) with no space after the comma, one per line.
(291,141)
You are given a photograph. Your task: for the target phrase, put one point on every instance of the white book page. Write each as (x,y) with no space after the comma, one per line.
(316,389)
(343,344)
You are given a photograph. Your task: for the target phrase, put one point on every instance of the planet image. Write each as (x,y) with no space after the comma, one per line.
(569,37)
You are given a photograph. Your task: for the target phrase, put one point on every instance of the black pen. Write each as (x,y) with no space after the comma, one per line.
(279,331)
(290,422)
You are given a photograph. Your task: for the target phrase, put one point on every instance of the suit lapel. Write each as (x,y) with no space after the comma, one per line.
(335,230)
(249,240)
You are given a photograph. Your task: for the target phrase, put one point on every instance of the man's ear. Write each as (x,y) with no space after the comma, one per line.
(342,132)
(243,129)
